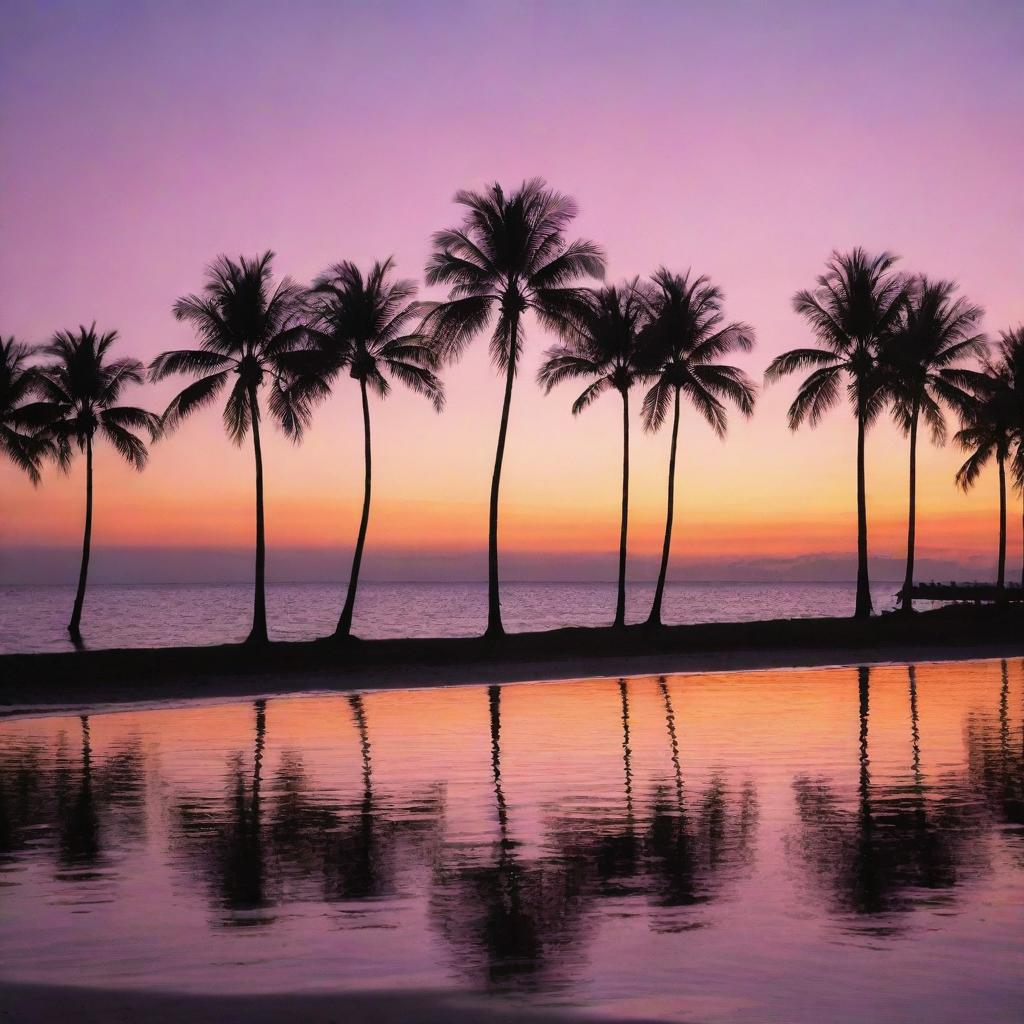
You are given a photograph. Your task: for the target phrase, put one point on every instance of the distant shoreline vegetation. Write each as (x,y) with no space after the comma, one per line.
(884,341)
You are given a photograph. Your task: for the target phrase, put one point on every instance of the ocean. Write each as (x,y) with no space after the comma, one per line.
(33,618)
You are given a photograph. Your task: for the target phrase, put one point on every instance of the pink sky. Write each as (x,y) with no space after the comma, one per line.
(744,140)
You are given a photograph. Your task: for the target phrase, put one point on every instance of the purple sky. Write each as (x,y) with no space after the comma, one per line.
(743,139)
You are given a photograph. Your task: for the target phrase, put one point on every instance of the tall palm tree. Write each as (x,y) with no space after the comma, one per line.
(1011,345)
(247,327)
(17,384)
(855,305)
(363,325)
(508,256)
(685,337)
(79,393)
(934,333)
(989,426)
(605,351)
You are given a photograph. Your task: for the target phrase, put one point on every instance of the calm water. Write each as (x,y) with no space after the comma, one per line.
(802,846)
(34,618)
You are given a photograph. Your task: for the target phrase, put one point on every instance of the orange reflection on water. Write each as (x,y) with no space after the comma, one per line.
(583,838)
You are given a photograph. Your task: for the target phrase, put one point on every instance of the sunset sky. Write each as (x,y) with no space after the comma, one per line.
(745,140)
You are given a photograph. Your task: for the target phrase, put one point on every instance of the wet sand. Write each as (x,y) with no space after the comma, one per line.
(46,681)
(37,1004)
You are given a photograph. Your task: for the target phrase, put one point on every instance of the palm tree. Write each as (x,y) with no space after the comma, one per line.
(17,383)
(683,341)
(362,325)
(856,304)
(605,351)
(1011,345)
(989,427)
(79,392)
(247,328)
(508,256)
(933,334)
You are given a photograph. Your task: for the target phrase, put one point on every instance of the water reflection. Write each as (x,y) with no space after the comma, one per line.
(573,842)
(995,751)
(902,843)
(368,841)
(508,918)
(69,808)
(689,850)
(258,852)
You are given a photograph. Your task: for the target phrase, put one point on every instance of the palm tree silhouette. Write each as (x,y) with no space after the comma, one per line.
(18,383)
(934,333)
(1011,345)
(362,325)
(605,351)
(682,343)
(247,328)
(856,304)
(989,427)
(508,255)
(79,392)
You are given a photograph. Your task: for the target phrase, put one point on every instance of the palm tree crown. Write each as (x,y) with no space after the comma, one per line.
(17,384)
(80,390)
(686,336)
(919,359)
(989,416)
(508,256)
(604,347)
(364,325)
(857,303)
(247,328)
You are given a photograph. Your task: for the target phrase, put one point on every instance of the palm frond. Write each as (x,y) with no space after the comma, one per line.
(195,396)
(131,448)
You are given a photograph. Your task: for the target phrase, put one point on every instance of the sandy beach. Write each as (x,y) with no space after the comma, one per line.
(33,683)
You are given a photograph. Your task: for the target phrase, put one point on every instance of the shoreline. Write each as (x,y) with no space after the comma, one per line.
(44,683)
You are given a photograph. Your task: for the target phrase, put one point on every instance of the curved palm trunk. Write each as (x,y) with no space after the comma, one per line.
(258,633)
(863,606)
(83,574)
(345,622)
(494,626)
(654,619)
(907,603)
(1001,571)
(620,601)
(1022,548)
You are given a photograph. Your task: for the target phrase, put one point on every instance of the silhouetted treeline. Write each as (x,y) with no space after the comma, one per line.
(884,341)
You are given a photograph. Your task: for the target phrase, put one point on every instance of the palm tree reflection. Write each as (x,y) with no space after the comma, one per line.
(509,919)
(259,851)
(618,850)
(995,756)
(229,843)
(906,843)
(81,810)
(370,841)
(688,852)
